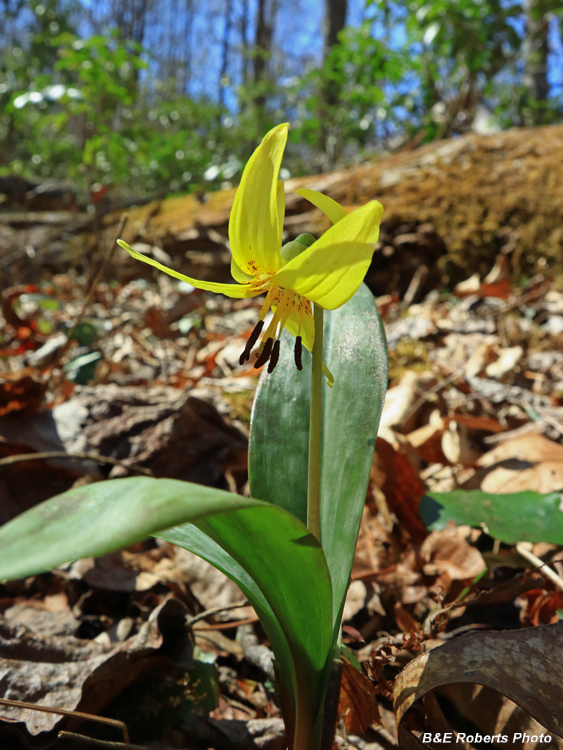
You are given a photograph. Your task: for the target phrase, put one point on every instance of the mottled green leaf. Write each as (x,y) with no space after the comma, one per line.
(518,517)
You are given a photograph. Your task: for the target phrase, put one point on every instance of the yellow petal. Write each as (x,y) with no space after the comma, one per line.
(329,272)
(328,206)
(231,290)
(254,222)
(307,325)
(238,274)
(281,211)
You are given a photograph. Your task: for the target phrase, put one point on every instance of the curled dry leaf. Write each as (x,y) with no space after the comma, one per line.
(520,665)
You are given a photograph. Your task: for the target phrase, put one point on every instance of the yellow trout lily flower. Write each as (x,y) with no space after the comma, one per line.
(327,271)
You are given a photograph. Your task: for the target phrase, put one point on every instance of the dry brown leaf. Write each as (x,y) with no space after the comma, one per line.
(357,704)
(427,440)
(531,448)
(527,462)
(506,591)
(493,713)
(73,673)
(448,552)
(398,479)
(456,445)
(539,606)
(164,429)
(495,284)
(518,664)
(487,424)
(22,392)
(212,588)
(403,402)
(545,477)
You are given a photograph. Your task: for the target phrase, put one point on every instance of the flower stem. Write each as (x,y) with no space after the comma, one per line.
(314,477)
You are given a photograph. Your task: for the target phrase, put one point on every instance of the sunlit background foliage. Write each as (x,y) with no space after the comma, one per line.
(152,97)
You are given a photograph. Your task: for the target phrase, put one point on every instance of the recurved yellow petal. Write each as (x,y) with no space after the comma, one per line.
(230,290)
(328,206)
(331,270)
(254,222)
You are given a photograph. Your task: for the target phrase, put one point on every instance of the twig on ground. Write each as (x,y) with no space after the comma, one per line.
(527,554)
(418,279)
(227,624)
(66,712)
(8,460)
(218,610)
(83,739)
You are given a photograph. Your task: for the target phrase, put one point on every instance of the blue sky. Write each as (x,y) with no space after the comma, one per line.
(298,37)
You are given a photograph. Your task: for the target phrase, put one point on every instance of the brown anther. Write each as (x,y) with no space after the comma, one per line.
(252,339)
(265,356)
(298,352)
(275,356)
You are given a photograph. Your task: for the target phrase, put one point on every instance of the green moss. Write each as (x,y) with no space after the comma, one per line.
(408,355)
(240,405)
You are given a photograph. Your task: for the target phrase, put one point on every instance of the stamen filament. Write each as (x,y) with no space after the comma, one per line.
(267,302)
(286,311)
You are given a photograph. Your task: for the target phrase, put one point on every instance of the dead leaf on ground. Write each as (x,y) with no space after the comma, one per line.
(540,607)
(72,673)
(518,664)
(49,616)
(212,588)
(493,713)
(121,571)
(22,392)
(403,403)
(357,705)
(448,552)
(495,284)
(163,429)
(23,485)
(533,448)
(399,481)
(528,462)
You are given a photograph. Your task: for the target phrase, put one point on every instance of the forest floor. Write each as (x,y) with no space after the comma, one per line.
(149,382)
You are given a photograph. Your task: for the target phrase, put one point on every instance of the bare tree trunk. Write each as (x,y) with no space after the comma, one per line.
(265,19)
(244,24)
(185,47)
(130,17)
(334,22)
(225,50)
(536,50)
